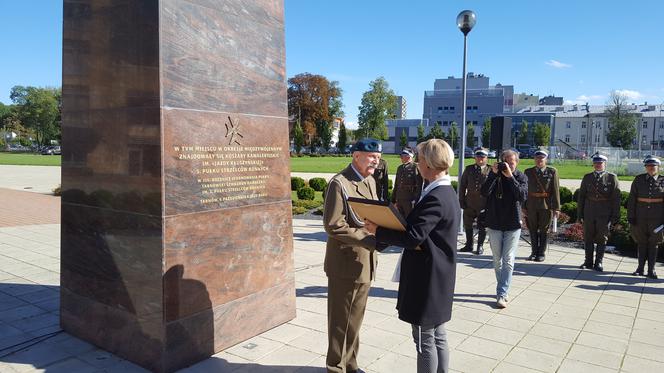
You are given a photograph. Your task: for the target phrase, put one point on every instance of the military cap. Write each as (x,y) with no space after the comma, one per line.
(597,158)
(367,145)
(651,160)
(407,151)
(541,153)
(479,152)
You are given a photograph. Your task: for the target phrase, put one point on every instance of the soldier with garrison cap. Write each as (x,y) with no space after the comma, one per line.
(598,207)
(471,200)
(645,213)
(542,204)
(408,183)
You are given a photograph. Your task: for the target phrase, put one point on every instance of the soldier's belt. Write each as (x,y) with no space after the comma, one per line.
(538,195)
(597,199)
(650,200)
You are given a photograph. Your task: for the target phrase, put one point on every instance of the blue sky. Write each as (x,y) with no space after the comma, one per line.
(580,50)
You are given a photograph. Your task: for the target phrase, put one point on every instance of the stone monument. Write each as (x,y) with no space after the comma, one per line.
(176,213)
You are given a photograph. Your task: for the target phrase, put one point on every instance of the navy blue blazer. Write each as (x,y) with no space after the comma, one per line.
(426,285)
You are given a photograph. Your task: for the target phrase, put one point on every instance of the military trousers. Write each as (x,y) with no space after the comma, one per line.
(470,215)
(596,230)
(539,220)
(647,241)
(346,303)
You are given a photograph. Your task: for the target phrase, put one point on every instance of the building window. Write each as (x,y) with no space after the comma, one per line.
(583,138)
(567,138)
(440,109)
(597,138)
(661,126)
(583,124)
(661,137)
(474,123)
(569,124)
(451,108)
(438,122)
(645,124)
(445,123)
(475,108)
(644,139)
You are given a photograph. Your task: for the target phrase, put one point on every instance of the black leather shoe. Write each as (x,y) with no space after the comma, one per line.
(540,258)
(638,272)
(598,267)
(532,257)
(586,265)
(652,275)
(466,249)
(480,250)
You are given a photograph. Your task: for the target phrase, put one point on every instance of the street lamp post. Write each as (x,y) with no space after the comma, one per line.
(465,22)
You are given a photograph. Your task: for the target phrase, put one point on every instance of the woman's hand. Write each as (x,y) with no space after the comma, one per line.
(370,226)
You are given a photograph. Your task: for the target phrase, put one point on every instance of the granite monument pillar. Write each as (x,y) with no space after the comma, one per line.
(176,213)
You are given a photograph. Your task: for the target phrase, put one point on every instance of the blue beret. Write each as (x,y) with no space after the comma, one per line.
(652,160)
(481,153)
(541,153)
(367,145)
(599,158)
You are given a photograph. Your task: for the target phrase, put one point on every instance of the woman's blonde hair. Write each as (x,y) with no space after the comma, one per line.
(436,153)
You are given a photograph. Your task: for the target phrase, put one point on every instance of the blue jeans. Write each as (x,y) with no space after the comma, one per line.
(503,247)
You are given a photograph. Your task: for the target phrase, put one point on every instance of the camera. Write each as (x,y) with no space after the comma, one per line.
(502,166)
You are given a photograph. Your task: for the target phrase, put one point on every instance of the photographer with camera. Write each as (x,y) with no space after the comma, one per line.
(505,189)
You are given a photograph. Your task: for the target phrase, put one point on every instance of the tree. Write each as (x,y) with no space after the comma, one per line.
(403,140)
(453,134)
(523,133)
(343,137)
(436,132)
(311,99)
(622,123)
(325,134)
(38,109)
(542,134)
(298,137)
(377,103)
(420,132)
(470,135)
(486,133)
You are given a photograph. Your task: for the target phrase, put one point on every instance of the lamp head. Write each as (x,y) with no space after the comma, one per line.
(466,21)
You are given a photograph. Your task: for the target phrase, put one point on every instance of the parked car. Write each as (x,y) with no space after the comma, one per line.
(17,148)
(492,154)
(52,150)
(526,150)
(467,153)
(575,154)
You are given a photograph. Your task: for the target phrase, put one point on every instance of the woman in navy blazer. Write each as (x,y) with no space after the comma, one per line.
(428,265)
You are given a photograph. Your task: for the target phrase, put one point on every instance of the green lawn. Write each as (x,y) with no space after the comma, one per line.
(27,159)
(568,170)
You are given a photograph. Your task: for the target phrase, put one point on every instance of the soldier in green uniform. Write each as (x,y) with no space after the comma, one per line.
(598,208)
(350,257)
(408,183)
(472,202)
(380,175)
(542,204)
(645,213)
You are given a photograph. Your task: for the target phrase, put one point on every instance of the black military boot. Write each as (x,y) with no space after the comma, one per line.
(588,263)
(469,242)
(534,245)
(481,234)
(599,257)
(642,252)
(543,243)
(652,260)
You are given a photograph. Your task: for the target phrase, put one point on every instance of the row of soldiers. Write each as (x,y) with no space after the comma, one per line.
(598,205)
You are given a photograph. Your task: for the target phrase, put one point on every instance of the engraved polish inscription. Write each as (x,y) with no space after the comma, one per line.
(229,173)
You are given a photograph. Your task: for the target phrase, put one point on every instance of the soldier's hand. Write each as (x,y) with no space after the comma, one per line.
(370,226)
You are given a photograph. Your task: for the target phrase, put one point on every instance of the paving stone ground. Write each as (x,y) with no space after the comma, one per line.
(559,319)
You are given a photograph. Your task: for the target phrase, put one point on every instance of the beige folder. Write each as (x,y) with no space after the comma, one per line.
(382,213)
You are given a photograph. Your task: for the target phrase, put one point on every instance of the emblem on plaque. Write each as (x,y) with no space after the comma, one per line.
(233,131)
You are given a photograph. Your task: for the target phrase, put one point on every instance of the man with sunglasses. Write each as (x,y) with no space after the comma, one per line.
(472,202)
(542,205)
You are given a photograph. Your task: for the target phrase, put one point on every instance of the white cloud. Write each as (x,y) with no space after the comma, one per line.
(631,95)
(558,64)
(581,100)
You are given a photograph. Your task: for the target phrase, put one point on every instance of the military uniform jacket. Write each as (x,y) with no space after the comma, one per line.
(350,249)
(543,189)
(408,184)
(645,187)
(380,176)
(599,197)
(469,187)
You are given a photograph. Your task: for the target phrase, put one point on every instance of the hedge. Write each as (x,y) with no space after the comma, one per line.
(306,193)
(318,184)
(296,183)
